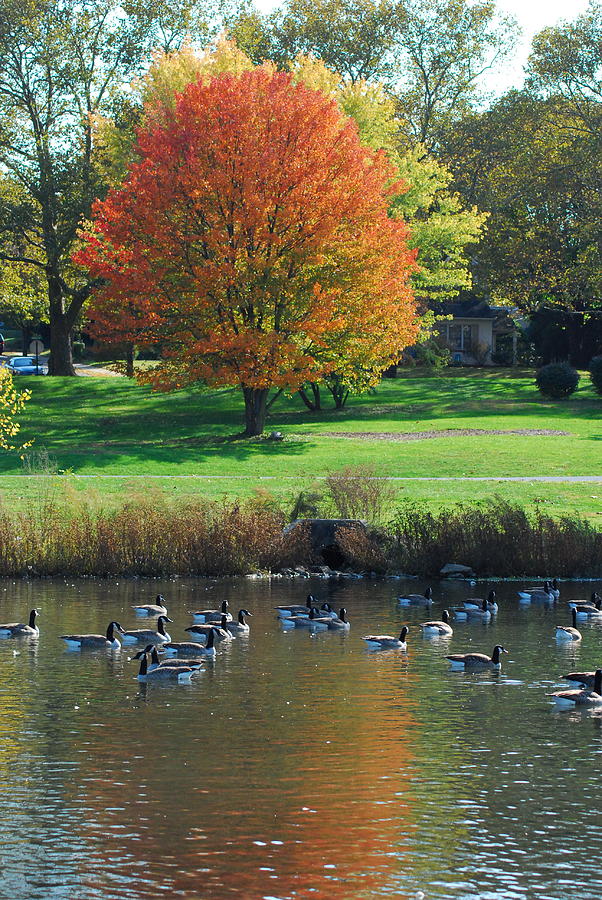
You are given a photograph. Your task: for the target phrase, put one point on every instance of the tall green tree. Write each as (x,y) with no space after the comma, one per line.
(539,175)
(566,65)
(432,54)
(61,63)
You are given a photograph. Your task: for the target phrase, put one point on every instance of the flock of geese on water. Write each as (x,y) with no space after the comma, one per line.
(181,660)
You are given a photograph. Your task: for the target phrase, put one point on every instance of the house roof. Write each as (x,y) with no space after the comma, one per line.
(469,309)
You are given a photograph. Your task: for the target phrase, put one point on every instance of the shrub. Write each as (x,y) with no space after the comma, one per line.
(557,380)
(362,550)
(358,493)
(595,373)
(495,539)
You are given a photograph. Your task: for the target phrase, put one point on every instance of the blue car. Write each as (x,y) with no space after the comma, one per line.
(26,365)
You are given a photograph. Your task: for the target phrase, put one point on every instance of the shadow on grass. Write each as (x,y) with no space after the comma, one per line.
(108,422)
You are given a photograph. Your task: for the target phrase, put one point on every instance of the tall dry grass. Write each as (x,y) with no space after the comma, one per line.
(500,539)
(148,535)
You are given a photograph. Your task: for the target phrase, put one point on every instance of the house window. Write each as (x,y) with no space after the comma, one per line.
(460,337)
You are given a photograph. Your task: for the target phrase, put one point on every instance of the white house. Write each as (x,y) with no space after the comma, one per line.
(473,332)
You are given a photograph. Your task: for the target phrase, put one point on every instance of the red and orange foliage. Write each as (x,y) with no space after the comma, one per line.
(251,239)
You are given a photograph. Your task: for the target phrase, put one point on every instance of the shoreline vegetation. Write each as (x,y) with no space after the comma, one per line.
(140,520)
(149,537)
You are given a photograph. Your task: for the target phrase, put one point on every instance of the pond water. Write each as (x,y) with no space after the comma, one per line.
(296,765)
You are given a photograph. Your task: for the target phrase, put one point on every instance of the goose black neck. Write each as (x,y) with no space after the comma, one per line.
(143,665)
(598,681)
(32,618)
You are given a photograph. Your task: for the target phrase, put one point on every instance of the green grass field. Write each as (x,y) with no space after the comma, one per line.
(107,426)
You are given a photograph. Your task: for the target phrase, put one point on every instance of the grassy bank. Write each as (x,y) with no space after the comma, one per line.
(90,427)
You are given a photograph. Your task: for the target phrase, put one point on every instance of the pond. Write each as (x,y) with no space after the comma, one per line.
(296,765)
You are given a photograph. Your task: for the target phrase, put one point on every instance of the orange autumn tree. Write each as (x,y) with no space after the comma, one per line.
(249,233)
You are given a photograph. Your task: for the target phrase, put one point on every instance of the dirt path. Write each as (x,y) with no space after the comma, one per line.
(426,435)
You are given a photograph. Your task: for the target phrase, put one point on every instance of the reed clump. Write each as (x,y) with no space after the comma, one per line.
(499,539)
(149,536)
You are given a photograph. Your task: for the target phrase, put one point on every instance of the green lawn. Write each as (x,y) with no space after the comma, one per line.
(110,426)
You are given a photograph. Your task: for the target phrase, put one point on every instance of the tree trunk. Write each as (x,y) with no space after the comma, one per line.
(255,410)
(129,360)
(339,393)
(61,359)
(26,333)
(316,404)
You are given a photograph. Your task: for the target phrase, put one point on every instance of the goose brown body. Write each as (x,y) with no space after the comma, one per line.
(478,660)
(581,696)
(19,629)
(95,641)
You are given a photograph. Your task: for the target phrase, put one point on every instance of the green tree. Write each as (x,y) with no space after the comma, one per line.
(62,62)
(528,163)
(432,55)
(566,65)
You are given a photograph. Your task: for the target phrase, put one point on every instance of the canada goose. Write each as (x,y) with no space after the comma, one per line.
(542,594)
(155,662)
(438,628)
(183,648)
(477,603)
(581,696)
(313,621)
(218,630)
(483,613)
(95,641)
(191,648)
(417,599)
(340,623)
(287,612)
(478,660)
(146,635)
(17,629)
(565,634)
(212,615)
(240,626)
(179,674)
(591,610)
(583,679)
(152,609)
(386,642)
(327,610)
(209,648)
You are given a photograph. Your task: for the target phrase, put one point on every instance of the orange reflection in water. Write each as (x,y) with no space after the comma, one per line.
(322,810)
